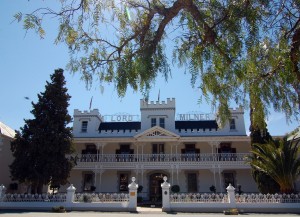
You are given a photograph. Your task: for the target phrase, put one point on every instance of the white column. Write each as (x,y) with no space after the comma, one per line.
(165,186)
(96,171)
(213,170)
(100,179)
(220,177)
(98,146)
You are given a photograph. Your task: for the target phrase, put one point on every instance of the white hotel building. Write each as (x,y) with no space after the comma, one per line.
(191,150)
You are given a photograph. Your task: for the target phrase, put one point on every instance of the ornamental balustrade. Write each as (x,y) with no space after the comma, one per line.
(212,202)
(72,200)
(101,197)
(267,198)
(34,198)
(223,157)
(198,197)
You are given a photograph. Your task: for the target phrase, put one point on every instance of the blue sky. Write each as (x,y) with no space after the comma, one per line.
(27,63)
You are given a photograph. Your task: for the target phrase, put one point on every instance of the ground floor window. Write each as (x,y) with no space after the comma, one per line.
(228,179)
(123,182)
(192,185)
(88,181)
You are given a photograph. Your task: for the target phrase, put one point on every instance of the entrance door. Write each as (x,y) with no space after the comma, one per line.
(156,180)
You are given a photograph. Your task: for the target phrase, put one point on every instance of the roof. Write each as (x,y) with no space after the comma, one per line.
(6,130)
(120,126)
(196,124)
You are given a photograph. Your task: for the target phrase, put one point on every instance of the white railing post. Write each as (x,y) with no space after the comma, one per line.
(231,196)
(70,194)
(165,195)
(132,195)
(2,192)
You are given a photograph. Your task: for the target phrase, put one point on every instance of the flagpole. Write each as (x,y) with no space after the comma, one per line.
(91,102)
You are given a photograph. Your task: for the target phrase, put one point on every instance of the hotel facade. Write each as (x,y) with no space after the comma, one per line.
(190,149)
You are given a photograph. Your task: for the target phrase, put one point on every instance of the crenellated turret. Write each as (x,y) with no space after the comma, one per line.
(159,113)
(86,123)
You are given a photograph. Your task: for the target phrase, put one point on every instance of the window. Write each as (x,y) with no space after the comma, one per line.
(190,149)
(225,148)
(123,182)
(87,181)
(232,124)
(192,182)
(162,122)
(125,149)
(84,125)
(228,178)
(89,149)
(158,148)
(153,122)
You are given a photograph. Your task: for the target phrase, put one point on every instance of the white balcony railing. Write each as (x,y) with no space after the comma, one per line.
(158,157)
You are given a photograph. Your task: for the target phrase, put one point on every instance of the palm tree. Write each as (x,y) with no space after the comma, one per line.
(280,160)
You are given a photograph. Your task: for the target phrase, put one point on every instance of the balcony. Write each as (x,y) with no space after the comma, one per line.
(205,160)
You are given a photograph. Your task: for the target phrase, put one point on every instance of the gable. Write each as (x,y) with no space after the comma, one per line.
(157,134)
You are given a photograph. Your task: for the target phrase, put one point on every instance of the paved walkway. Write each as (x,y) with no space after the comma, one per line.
(141,211)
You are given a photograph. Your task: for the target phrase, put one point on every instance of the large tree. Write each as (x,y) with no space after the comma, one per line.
(279,160)
(40,147)
(235,50)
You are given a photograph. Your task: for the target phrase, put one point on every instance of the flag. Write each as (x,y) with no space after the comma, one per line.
(91,103)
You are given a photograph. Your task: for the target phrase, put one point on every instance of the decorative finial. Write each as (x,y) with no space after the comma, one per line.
(133,179)
(165,178)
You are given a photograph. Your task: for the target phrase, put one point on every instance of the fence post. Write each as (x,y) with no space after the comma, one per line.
(165,195)
(231,196)
(132,195)
(70,194)
(2,192)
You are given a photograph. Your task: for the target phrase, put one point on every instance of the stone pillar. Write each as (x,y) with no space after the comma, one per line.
(231,196)
(2,192)
(132,195)
(165,195)
(70,194)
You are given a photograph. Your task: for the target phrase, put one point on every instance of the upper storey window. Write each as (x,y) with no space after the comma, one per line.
(153,122)
(232,124)
(84,125)
(162,122)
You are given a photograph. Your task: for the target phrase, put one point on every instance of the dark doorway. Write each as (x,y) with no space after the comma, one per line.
(156,180)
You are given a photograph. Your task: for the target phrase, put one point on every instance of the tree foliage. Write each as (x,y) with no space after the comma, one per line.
(279,160)
(234,50)
(40,147)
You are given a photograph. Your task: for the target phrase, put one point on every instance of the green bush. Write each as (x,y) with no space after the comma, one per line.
(175,188)
(87,198)
(140,188)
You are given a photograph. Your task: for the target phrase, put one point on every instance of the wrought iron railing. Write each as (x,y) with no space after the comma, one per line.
(158,157)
